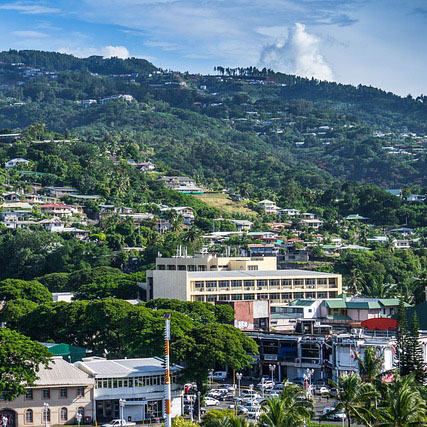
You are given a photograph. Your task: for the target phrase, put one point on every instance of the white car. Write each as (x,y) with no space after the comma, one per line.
(210,401)
(253,413)
(266,385)
(337,416)
(323,391)
(118,423)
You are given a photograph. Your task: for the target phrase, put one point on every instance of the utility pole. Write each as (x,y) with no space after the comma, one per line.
(167,396)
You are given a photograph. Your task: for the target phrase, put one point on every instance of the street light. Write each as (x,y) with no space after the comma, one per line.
(46,412)
(239,378)
(198,407)
(262,386)
(272,369)
(211,372)
(122,405)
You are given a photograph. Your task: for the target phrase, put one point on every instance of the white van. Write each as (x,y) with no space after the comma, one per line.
(219,375)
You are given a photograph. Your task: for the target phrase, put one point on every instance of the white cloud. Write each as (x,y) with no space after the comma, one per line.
(29,34)
(119,51)
(29,8)
(298,54)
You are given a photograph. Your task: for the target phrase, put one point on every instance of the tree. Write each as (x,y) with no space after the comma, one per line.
(404,406)
(354,398)
(415,349)
(370,365)
(182,422)
(212,345)
(33,290)
(290,409)
(20,360)
(402,341)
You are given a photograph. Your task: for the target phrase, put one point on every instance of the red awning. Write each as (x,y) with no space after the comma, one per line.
(380,324)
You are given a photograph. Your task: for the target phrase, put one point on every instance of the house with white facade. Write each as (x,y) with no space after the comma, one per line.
(269,207)
(139,382)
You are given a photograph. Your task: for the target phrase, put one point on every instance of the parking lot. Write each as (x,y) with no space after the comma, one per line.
(225,396)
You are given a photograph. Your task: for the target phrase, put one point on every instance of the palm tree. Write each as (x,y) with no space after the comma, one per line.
(370,365)
(290,409)
(355,281)
(354,398)
(405,406)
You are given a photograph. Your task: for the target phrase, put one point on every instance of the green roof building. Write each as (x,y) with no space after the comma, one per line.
(70,353)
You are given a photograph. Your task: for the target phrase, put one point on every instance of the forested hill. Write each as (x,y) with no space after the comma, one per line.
(54,61)
(250,130)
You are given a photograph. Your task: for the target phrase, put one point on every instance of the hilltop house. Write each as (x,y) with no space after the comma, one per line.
(15,162)
(269,207)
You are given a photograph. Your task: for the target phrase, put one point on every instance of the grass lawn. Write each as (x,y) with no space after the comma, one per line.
(223,202)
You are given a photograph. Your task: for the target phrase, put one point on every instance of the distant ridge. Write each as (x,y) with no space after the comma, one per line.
(54,61)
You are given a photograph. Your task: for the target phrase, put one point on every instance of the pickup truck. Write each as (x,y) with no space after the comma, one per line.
(119,423)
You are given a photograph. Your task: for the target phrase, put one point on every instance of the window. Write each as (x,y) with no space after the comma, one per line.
(332,281)
(252,267)
(64,414)
(274,296)
(249,282)
(46,415)
(224,297)
(29,395)
(29,416)
(160,267)
(200,298)
(200,284)
(80,391)
(321,281)
(249,297)
(236,283)
(46,393)
(130,382)
(298,295)
(298,282)
(223,283)
(321,295)
(182,267)
(261,283)
(274,282)
(236,297)
(310,295)
(63,392)
(114,383)
(310,281)
(286,295)
(262,296)
(286,282)
(211,298)
(171,267)
(211,284)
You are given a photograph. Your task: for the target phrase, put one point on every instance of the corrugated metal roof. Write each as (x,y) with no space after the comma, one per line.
(63,373)
(302,302)
(339,303)
(123,367)
(389,302)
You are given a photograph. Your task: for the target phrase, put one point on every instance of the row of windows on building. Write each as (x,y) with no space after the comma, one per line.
(286,296)
(173,267)
(260,283)
(46,414)
(46,392)
(146,381)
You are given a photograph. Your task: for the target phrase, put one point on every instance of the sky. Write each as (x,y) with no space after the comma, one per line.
(382,43)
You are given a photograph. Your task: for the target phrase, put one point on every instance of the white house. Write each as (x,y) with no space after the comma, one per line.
(15,162)
(140,382)
(269,207)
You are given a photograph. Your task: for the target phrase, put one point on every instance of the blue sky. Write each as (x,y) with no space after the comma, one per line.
(382,43)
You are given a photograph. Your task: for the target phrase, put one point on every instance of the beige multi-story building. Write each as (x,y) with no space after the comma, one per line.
(209,278)
(61,392)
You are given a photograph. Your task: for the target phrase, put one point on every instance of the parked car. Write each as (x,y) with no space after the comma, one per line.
(118,423)
(321,390)
(265,384)
(250,393)
(219,375)
(330,415)
(253,413)
(210,401)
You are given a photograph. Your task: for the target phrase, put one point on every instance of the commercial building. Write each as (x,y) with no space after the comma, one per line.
(211,279)
(138,382)
(58,395)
